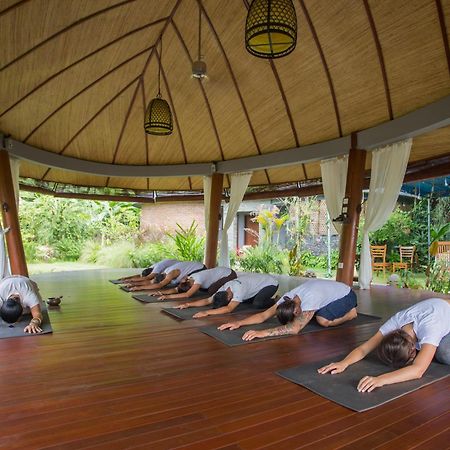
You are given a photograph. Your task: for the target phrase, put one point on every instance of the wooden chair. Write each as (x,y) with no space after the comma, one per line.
(378,253)
(406,258)
(443,253)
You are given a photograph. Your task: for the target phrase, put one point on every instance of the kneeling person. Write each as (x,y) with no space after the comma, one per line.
(20,295)
(331,302)
(149,273)
(254,288)
(207,281)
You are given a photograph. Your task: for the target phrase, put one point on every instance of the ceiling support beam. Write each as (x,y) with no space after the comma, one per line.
(428,118)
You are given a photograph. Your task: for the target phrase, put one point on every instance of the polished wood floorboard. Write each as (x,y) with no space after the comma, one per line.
(119,374)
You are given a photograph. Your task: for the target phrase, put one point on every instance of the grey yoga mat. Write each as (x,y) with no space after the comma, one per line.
(117,281)
(169,286)
(147,298)
(234,337)
(185,314)
(16,330)
(341,388)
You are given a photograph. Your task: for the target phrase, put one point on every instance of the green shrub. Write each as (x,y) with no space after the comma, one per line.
(262,259)
(117,255)
(147,254)
(190,247)
(90,251)
(438,279)
(308,259)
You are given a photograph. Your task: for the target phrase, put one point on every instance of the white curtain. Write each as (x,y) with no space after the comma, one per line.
(15,166)
(388,170)
(239,183)
(206,203)
(334,178)
(4,263)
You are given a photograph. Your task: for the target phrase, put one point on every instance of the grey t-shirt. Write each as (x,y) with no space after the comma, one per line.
(26,288)
(185,268)
(315,294)
(206,278)
(430,319)
(160,266)
(248,285)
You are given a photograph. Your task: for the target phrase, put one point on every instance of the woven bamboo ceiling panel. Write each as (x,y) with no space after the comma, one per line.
(76,76)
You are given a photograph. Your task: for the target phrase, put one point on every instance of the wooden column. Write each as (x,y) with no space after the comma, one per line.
(212,236)
(353,192)
(10,218)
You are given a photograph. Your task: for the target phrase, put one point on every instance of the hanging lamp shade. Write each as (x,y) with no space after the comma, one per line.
(158,118)
(271,28)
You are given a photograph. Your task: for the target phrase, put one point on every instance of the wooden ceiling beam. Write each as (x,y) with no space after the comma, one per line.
(430,117)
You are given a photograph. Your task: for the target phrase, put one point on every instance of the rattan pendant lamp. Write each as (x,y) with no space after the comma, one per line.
(158,117)
(271,28)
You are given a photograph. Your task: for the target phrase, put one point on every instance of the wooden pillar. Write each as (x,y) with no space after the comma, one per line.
(212,237)
(10,218)
(353,193)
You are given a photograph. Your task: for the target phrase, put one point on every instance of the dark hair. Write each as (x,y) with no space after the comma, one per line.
(159,277)
(147,271)
(397,349)
(220,299)
(11,310)
(285,311)
(184,286)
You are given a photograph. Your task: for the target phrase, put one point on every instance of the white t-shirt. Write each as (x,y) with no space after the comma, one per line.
(26,288)
(206,278)
(160,266)
(430,319)
(185,268)
(315,294)
(248,285)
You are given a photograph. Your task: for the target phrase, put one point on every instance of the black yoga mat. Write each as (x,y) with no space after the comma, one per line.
(234,337)
(341,388)
(16,330)
(147,298)
(169,286)
(185,314)
(117,281)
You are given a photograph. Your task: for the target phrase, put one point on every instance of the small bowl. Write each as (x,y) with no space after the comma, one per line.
(54,301)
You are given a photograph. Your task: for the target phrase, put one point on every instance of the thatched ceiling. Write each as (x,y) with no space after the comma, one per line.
(75,77)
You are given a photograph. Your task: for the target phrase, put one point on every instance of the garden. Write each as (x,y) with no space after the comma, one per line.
(83,233)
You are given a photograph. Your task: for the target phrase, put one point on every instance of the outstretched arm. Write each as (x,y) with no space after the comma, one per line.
(202,302)
(35,324)
(354,356)
(412,372)
(173,293)
(293,327)
(251,320)
(212,312)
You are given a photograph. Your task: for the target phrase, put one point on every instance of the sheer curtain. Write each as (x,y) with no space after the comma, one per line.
(239,183)
(388,170)
(4,263)
(334,178)
(206,203)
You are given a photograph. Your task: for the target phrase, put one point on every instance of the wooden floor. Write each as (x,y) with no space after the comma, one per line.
(119,374)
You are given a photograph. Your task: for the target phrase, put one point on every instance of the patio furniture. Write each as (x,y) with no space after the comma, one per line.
(443,252)
(378,253)
(406,258)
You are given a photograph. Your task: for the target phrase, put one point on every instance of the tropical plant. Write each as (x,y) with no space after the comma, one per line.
(438,278)
(190,247)
(296,267)
(262,259)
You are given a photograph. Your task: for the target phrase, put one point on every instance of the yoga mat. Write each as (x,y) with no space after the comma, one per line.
(341,388)
(234,337)
(185,314)
(117,281)
(147,298)
(169,286)
(16,330)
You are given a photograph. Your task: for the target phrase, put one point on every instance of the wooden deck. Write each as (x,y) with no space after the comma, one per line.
(119,374)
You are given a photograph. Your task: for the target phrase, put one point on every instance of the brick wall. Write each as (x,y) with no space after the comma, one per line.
(161,217)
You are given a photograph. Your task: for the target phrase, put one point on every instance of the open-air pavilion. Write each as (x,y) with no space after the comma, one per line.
(368,82)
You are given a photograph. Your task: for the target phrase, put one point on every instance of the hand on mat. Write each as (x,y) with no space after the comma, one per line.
(162,297)
(368,384)
(335,367)
(252,334)
(182,306)
(32,328)
(200,314)
(229,326)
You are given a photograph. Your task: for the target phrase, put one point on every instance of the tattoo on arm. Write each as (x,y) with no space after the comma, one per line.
(280,331)
(292,327)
